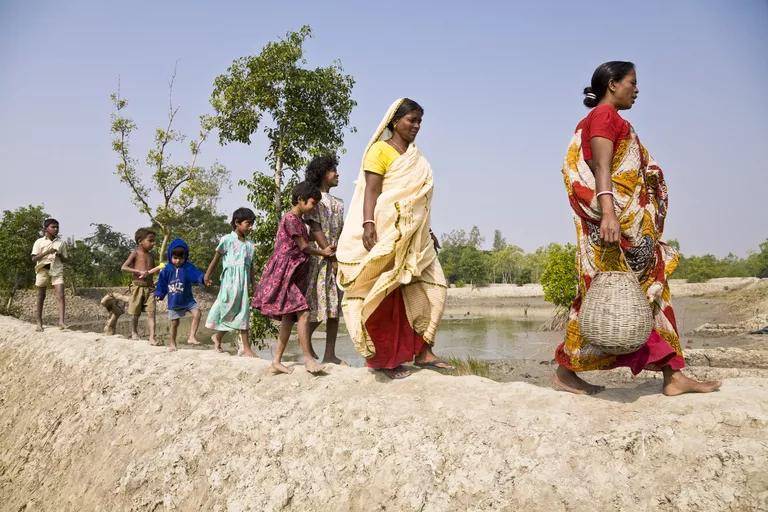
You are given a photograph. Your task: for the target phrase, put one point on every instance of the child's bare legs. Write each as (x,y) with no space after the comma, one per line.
(60,303)
(312,327)
(151,325)
(192,339)
(246,344)
(40,302)
(304,335)
(135,327)
(216,339)
(283,334)
(174,330)
(331,331)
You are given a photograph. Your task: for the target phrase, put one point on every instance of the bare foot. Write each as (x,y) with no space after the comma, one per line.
(192,341)
(217,344)
(278,368)
(334,360)
(63,327)
(155,342)
(312,351)
(313,366)
(135,336)
(567,380)
(39,328)
(677,384)
(172,348)
(399,372)
(246,352)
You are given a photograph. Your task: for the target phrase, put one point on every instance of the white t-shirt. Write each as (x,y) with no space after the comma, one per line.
(43,244)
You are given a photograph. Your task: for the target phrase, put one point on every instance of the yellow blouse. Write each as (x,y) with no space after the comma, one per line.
(378,159)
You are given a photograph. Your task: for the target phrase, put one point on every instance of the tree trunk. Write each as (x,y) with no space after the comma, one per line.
(164,244)
(278,184)
(13,293)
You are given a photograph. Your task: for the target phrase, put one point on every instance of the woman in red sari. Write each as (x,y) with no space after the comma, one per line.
(394,287)
(619,201)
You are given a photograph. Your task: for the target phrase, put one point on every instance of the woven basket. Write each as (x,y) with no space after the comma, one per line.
(615,315)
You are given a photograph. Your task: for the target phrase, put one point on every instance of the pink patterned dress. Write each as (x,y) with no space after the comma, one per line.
(283,284)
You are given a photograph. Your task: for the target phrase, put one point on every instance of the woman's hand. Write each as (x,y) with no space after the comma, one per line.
(328,251)
(369,236)
(610,229)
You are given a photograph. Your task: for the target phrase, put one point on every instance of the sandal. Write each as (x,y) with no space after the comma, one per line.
(435,364)
(399,372)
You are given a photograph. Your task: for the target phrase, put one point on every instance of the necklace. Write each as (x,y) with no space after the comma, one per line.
(397,146)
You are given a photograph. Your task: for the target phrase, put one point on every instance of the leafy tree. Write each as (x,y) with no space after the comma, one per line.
(302,112)
(19,229)
(475,239)
(202,229)
(308,109)
(180,186)
(560,277)
(498,241)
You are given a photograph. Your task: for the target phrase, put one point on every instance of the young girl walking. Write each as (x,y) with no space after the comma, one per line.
(230,311)
(280,294)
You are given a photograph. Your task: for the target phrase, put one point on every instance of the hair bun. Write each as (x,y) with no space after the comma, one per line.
(590,98)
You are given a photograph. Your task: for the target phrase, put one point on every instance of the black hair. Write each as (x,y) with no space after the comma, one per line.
(143,233)
(179,252)
(407,105)
(240,215)
(317,168)
(304,191)
(614,70)
(48,222)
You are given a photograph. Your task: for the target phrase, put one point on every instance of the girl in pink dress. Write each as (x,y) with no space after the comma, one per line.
(280,294)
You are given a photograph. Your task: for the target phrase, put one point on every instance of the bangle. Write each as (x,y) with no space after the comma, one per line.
(369,222)
(605,192)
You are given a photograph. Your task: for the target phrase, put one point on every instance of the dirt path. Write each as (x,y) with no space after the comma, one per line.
(102,423)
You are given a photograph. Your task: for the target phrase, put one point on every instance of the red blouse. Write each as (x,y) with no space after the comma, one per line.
(602,121)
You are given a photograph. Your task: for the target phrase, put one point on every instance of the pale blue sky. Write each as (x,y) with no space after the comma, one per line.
(500,83)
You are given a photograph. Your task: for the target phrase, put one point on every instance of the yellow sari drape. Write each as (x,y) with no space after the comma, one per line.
(404,255)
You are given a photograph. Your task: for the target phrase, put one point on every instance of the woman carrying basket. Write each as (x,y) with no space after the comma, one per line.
(619,199)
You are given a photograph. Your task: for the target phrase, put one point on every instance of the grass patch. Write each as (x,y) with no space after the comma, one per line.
(470,366)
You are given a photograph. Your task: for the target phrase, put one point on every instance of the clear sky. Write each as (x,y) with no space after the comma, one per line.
(500,82)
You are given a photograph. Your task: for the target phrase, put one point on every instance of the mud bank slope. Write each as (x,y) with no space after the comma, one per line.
(102,423)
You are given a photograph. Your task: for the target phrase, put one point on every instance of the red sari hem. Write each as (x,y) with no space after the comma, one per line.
(393,337)
(653,356)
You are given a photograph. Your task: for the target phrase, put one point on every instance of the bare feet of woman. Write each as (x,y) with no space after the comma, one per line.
(278,368)
(39,328)
(172,348)
(135,336)
(246,352)
(675,383)
(217,344)
(192,341)
(399,372)
(567,380)
(155,342)
(334,360)
(313,366)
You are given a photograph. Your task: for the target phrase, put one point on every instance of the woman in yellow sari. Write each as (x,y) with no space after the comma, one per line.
(619,199)
(394,287)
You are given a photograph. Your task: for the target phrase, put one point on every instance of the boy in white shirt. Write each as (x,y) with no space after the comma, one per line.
(49,254)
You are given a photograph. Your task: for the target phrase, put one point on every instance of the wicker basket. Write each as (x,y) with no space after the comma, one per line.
(615,315)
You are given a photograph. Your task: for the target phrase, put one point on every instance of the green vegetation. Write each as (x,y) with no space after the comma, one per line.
(697,269)
(470,366)
(302,111)
(180,187)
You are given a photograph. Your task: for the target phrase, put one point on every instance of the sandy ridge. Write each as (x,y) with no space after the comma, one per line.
(89,422)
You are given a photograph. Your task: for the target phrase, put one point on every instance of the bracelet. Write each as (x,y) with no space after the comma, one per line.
(605,192)
(369,222)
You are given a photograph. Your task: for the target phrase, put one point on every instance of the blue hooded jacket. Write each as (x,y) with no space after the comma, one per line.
(176,282)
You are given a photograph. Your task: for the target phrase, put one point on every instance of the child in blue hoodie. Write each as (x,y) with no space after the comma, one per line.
(175,281)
